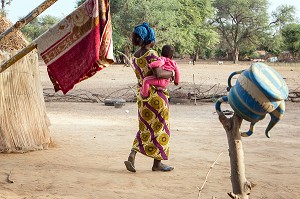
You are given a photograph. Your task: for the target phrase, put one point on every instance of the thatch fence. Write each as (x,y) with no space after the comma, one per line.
(24,125)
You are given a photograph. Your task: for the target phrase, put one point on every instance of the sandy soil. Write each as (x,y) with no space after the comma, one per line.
(92,140)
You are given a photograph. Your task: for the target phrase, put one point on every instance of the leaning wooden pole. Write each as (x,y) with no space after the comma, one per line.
(17,57)
(20,24)
(33,14)
(240,186)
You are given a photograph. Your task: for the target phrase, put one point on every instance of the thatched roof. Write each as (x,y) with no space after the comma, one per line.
(13,41)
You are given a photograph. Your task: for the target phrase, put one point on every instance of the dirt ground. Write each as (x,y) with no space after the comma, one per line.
(92,140)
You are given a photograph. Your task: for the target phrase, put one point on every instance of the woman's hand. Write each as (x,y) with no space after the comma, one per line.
(160,73)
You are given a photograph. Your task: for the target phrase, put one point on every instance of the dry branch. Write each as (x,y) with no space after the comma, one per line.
(204,94)
(9,178)
(194,88)
(200,189)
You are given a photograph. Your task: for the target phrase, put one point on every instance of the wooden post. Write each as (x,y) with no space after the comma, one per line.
(20,24)
(240,186)
(33,14)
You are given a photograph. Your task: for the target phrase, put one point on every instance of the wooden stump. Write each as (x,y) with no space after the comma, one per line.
(240,186)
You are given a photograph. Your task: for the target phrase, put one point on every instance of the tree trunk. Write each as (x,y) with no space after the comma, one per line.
(3,13)
(235,55)
(240,186)
(128,54)
(196,56)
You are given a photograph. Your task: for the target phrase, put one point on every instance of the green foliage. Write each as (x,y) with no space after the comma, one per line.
(272,43)
(3,5)
(245,25)
(182,23)
(271,39)
(240,22)
(126,14)
(79,2)
(284,14)
(291,38)
(38,26)
(193,30)
(254,55)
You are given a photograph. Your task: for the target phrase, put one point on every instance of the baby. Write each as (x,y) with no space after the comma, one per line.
(166,63)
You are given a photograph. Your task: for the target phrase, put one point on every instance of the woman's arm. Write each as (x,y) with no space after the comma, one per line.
(161,73)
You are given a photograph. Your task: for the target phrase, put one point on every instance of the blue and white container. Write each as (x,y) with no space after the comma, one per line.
(258,90)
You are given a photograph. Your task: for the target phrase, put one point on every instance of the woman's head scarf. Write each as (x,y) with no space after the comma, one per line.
(145,32)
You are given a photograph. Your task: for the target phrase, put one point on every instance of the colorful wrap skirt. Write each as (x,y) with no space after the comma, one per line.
(152,138)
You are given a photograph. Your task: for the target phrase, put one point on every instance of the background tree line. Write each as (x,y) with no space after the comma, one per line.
(221,29)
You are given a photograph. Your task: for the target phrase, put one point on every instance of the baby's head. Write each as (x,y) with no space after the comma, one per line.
(167,51)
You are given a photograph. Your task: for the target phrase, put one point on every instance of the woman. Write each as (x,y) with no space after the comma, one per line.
(152,138)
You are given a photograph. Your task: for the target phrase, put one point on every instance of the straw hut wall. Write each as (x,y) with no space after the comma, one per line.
(24,125)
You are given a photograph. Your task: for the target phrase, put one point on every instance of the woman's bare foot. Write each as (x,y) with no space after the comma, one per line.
(158,166)
(130,162)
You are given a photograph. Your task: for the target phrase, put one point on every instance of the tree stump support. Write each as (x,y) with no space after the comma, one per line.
(240,186)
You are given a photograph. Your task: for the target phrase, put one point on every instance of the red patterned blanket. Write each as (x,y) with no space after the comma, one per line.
(78,46)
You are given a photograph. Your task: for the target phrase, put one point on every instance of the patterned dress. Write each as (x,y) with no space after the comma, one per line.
(152,138)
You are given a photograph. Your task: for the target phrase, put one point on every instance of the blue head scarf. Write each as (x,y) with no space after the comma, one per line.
(145,32)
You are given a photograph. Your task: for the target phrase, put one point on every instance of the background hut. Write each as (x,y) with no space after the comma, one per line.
(24,125)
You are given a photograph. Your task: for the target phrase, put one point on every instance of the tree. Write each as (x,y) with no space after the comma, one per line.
(291,38)
(240,22)
(180,23)
(79,2)
(272,40)
(3,4)
(195,36)
(284,14)
(271,43)
(38,26)
(245,25)
(128,13)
